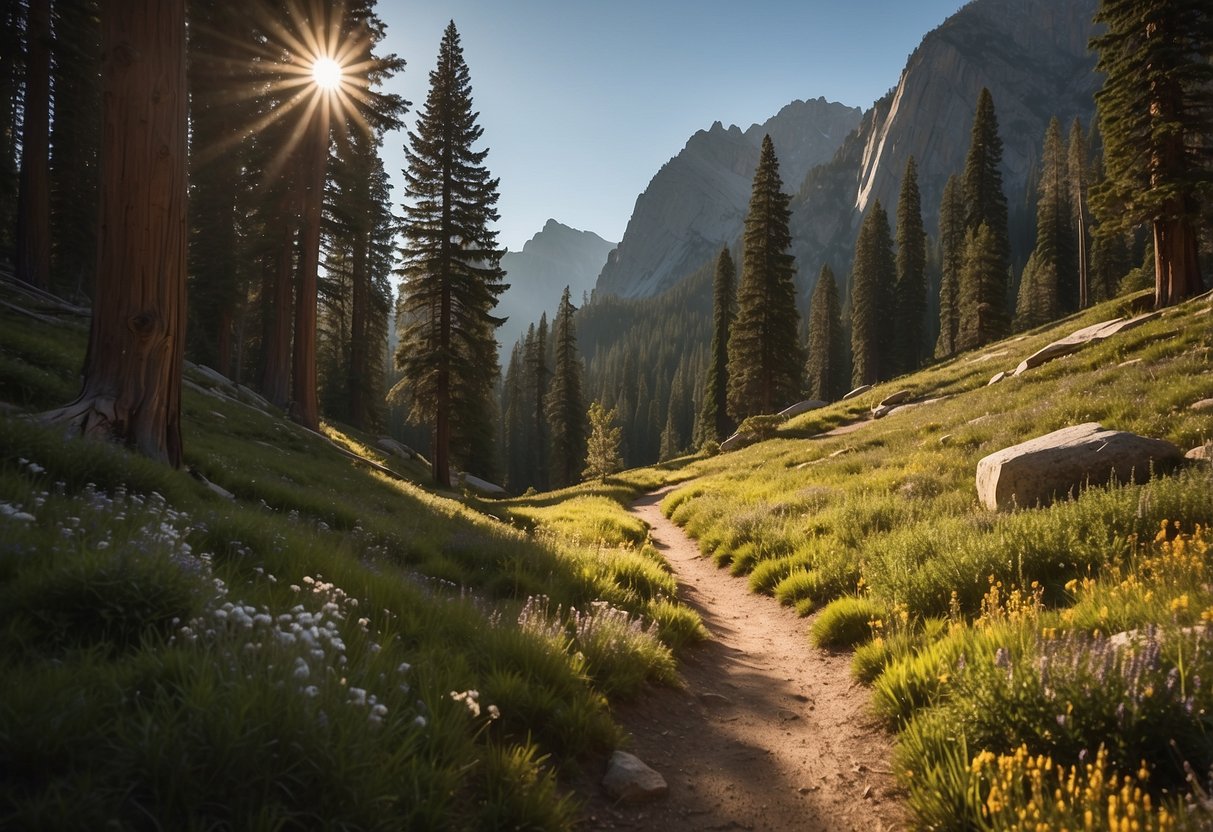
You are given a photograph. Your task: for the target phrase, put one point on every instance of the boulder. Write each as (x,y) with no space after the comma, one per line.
(801,407)
(1201,453)
(996,378)
(737,441)
(484,487)
(1079,339)
(628,780)
(391,446)
(858,391)
(1201,406)
(1042,469)
(899,397)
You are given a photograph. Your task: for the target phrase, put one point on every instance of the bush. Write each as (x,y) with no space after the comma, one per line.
(846,622)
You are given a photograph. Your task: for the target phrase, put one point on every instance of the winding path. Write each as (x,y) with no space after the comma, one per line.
(769,733)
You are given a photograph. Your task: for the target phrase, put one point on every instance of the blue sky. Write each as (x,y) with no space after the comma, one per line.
(582,102)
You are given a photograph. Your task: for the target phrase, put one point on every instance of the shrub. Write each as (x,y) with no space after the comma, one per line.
(845,622)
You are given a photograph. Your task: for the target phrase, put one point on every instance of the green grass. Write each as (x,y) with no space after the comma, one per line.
(336,646)
(952,595)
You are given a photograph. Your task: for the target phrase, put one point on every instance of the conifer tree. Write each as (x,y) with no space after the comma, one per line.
(565,407)
(983,309)
(873,275)
(33,261)
(715,416)
(538,378)
(452,272)
(1049,286)
(952,253)
(602,450)
(765,359)
(1077,170)
(911,289)
(826,368)
(981,277)
(1156,117)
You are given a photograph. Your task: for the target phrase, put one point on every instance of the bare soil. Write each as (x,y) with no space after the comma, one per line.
(768,733)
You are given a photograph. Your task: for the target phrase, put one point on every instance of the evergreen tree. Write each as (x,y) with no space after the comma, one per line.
(452,273)
(911,290)
(1050,286)
(981,277)
(765,359)
(1111,260)
(715,415)
(1077,170)
(1156,117)
(873,275)
(952,253)
(565,407)
(985,204)
(12,71)
(602,450)
(826,368)
(539,376)
(131,390)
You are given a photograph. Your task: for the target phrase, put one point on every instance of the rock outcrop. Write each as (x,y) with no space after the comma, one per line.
(698,200)
(1060,463)
(1077,340)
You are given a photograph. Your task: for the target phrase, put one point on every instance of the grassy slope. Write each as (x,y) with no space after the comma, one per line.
(948,600)
(300,657)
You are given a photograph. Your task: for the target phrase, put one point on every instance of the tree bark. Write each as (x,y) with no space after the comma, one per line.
(34,197)
(277,299)
(305,408)
(360,416)
(132,380)
(1176,267)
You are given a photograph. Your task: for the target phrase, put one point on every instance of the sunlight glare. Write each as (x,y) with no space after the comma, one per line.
(326,73)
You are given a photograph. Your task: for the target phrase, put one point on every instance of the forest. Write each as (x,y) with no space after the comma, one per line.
(288,543)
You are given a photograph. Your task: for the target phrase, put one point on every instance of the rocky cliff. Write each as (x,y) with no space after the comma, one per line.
(556,257)
(1031,54)
(697,201)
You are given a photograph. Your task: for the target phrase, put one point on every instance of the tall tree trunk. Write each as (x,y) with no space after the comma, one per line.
(359,348)
(132,379)
(34,196)
(277,300)
(305,408)
(1176,267)
(442,420)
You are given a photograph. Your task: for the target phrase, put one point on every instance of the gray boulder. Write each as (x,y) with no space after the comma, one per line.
(1052,466)
(1081,338)
(629,780)
(391,446)
(801,407)
(483,487)
(900,397)
(858,391)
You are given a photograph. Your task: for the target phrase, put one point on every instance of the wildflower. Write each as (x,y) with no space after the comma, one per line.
(311,691)
(419,721)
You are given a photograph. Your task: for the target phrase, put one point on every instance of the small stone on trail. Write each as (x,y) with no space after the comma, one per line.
(715,699)
(629,780)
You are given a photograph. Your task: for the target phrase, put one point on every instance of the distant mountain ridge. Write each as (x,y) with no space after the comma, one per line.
(557,256)
(1031,54)
(697,201)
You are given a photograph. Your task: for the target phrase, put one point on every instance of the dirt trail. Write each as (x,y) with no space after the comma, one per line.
(769,733)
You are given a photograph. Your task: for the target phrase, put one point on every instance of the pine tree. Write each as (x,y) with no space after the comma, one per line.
(565,407)
(132,377)
(602,450)
(1077,170)
(826,368)
(1110,262)
(452,273)
(12,70)
(765,360)
(911,289)
(952,252)
(1050,286)
(1156,117)
(873,275)
(715,415)
(539,377)
(985,204)
(981,277)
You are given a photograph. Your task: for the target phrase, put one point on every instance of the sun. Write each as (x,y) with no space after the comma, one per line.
(326,73)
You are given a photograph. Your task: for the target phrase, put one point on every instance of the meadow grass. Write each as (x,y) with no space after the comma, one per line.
(986,636)
(335,647)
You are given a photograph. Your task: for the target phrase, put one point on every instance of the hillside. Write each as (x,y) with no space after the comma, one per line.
(990,639)
(299,634)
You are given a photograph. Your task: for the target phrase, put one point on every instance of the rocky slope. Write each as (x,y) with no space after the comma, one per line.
(1031,54)
(556,257)
(697,201)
